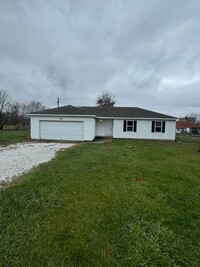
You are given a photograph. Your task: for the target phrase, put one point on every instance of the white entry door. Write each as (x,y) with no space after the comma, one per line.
(62,130)
(108,127)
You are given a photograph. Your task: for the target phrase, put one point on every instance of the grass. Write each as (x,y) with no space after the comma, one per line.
(123,203)
(13,136)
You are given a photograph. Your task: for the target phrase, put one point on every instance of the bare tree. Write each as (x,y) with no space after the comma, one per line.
(193,117)
(106,99)
(18,112)
(4,104)
(14,114)
(4,100)
(33,106)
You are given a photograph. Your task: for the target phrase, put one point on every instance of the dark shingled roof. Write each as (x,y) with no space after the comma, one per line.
(109,112)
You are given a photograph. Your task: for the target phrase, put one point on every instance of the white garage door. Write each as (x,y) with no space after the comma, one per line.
(61,130)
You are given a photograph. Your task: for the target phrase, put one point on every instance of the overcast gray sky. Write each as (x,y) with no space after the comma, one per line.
(147,52)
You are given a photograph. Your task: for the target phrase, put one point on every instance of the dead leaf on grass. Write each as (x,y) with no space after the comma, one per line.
(139,180)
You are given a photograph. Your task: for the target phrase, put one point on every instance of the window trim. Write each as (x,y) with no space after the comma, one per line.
(133,126)
(161,126)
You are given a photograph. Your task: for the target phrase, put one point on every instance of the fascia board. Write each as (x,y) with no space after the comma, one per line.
(94,116)
(135,118)
(60,115)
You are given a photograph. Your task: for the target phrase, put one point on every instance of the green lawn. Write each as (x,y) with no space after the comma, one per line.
(12,136)
(123,203)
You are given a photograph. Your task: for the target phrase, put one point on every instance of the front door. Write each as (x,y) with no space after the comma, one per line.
(108,127)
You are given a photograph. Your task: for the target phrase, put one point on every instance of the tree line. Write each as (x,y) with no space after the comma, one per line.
(193,117)
(14,112)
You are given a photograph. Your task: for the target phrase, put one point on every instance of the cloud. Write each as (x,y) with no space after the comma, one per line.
(147,52)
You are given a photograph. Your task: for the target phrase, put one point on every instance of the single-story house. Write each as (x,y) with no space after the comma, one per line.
(84,123)
(187,127)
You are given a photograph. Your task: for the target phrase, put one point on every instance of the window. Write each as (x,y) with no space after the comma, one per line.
(158,127)
(130,126)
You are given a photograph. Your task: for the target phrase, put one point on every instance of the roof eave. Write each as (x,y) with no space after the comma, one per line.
(99,117)
(60,115)
(136,118)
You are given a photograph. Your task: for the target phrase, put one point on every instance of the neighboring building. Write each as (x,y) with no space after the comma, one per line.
(85,123)
(187,127)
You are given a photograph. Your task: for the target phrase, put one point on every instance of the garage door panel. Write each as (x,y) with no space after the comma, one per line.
(61,130)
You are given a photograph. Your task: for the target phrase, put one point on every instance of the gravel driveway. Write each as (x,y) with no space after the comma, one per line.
(20,158)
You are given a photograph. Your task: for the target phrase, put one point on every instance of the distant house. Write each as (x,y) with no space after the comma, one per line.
(187,127)
(85,123)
